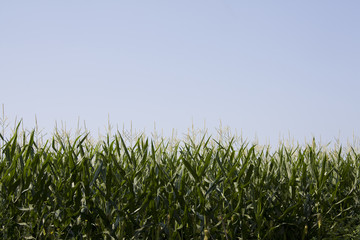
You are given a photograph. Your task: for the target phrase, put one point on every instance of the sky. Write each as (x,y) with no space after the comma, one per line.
(268,70)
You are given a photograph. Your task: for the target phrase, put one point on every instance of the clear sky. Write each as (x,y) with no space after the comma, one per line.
(266,68)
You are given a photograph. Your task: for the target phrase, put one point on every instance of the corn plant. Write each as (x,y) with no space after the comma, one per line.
(207,189)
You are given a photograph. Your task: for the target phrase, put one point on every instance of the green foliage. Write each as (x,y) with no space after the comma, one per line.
(74,189)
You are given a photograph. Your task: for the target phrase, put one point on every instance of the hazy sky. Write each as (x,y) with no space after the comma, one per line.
(261,67)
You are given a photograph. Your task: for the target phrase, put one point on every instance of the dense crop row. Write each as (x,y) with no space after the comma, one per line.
(74,189)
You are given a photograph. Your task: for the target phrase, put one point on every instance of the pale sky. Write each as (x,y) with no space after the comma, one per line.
(264,68)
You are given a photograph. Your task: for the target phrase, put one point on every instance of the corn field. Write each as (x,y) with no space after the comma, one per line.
(208,189)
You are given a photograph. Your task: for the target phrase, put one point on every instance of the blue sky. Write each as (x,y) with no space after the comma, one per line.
(265,68)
